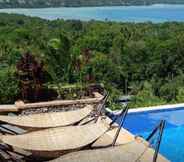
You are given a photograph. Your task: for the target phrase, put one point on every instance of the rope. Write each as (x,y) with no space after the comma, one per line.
(157,138)
(139,157)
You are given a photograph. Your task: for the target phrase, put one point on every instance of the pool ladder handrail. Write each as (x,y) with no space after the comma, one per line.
(99,109)
(101,106)
(123,113)
(160,129)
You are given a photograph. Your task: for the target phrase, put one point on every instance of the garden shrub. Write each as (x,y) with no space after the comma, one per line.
(9,90)
(180,95)
(146,97)
(168,92)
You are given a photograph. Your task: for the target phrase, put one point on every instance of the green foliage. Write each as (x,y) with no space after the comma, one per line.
(58,57)
(9,90)
(145,97)
(180,95)
(168,92)
(141,59)
(114,94)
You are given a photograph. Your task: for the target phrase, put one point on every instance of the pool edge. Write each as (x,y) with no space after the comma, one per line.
(149,108)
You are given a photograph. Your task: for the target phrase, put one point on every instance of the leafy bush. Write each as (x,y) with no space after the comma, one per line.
(114,95)
(145,97)
(9,90)
(123,56)
(180,95)
(168,91)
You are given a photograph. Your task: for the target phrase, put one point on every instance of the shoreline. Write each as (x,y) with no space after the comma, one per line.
(93,6)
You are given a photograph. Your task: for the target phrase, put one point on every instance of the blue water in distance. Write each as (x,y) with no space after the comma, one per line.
(172,145)
(154,13)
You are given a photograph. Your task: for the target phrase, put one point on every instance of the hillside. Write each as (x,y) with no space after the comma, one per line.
(143,59)
(78,3)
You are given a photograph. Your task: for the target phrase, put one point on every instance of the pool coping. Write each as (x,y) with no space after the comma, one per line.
(150,108)
(124,132)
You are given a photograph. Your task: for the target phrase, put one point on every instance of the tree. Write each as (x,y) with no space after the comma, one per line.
(30,73)
(58,57)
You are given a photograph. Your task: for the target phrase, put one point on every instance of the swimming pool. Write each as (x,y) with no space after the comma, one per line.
(172,145)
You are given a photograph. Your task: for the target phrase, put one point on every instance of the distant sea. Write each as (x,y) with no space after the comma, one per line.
(153,13)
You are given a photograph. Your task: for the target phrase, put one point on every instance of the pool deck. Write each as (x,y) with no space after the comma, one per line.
(126,138)
(131,144)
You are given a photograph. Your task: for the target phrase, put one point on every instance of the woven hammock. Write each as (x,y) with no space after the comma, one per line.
(131,152)
(47,120)
(57,139)
(107,138)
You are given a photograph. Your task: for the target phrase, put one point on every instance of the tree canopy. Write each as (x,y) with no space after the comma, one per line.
(141,59)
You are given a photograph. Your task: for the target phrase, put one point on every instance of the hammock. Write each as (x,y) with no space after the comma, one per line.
(56,141)
(136,151)
(49,142)
(47,120)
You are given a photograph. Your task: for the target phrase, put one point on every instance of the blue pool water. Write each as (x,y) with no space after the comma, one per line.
(154,13)
(172,145)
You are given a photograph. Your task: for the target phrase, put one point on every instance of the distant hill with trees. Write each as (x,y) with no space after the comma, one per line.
(79,3)
(140,59)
